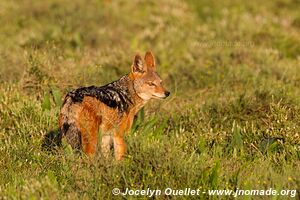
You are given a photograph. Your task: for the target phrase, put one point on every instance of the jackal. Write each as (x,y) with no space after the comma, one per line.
(109,109)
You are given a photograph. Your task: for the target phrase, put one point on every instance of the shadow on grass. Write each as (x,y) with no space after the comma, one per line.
(52,140)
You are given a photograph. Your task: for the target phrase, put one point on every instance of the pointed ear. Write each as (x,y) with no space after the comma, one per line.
(138,65)
(150,60)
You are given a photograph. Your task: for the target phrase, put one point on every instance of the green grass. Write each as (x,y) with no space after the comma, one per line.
(232,120)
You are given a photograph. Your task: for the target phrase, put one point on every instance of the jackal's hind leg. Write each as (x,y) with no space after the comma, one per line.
(89,138)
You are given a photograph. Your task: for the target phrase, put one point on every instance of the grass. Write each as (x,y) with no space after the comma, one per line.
(232,120)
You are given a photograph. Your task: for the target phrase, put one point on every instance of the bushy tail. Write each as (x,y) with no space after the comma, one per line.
(52,140)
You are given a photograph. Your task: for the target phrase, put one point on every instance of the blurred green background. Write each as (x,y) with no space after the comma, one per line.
(232,120)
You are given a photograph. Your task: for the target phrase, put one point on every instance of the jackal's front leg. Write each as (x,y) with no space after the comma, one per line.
(119,143)
(106,144)
(119,147)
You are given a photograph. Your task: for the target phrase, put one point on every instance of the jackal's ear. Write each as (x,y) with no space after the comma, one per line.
(150,60)
(138,65)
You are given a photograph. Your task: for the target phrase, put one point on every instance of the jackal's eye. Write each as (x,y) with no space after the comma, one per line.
(151,84)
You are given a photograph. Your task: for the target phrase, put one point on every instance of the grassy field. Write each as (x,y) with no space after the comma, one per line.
(232,120)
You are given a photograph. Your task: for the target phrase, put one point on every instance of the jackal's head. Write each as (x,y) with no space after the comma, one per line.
(146,82)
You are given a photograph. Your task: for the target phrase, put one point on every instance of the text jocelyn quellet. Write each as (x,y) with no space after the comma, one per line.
(157,192)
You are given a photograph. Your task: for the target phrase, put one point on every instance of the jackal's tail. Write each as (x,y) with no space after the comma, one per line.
(52,140)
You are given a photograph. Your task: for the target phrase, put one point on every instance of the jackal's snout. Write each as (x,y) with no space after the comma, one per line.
(160,92)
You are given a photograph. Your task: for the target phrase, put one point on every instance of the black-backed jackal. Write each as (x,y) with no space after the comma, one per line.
(109,109)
